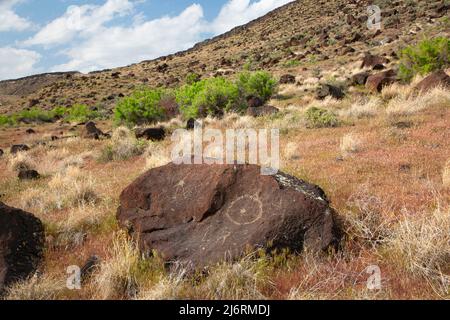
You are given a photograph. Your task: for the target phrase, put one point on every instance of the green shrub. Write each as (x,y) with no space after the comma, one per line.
(211,96)
(142,106)
(7,120)
(80,113)
(427,56)
(260,84)
(192,78)
(320,118)
(35,114)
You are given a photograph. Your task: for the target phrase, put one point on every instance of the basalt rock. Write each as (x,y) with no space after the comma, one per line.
(378,81)
(262,111)
(19,148)
(154,134)
(436,79)
(200,214)
(21,245)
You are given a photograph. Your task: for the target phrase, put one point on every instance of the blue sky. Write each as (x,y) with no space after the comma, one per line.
(60,35)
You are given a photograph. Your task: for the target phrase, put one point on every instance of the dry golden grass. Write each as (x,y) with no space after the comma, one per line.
(37,288)
(435,98)
(446,175)
(21,161)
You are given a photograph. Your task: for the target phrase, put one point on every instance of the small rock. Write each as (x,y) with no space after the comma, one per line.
(287,79)
(90,131)
(254,102)
(370,61)
(19,148)
(30,131)
(326,90)
(154,134)
(360,78)
(1,152)
(90,265)
(190,124)
(28,175)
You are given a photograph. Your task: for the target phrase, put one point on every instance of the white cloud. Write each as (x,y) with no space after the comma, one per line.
(16,63)
(117,46)
(84,21)
(239,12)
(9,20)
(90,44)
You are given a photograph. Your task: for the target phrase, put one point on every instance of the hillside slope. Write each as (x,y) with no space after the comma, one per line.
(305,36)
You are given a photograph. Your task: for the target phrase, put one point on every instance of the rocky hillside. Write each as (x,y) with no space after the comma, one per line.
(305,37)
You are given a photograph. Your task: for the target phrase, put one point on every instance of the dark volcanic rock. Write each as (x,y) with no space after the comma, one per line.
(261,111)
(287,78)
(90,131)
(201,214)
(360,78)
(1,152)
(21,244)
(18,148)
(190,124)
(254,102)
(371,61)
(377,81)
(30,131)
(28,175)
(154,134)
(436,79)
(326,90)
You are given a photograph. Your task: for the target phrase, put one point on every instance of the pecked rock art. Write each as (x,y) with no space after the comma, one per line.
(201,214)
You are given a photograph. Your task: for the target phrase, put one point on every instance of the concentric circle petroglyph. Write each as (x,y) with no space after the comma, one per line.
(245,210)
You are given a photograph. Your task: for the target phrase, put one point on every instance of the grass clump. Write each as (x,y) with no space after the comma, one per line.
(123,145)
(320,118)
(427,56)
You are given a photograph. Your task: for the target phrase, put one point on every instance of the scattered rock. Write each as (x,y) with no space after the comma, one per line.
(360,78)
(1,152)
(377,81)
(21,245)
(438,78)
(89,267)
(90,131)
(28,175)
(370,61)
(33,102)
(326,90)
(261,111)
(154,134)
(201,214)
(254,102)
(190,124)
(30,131)
(287,78)
(19,148)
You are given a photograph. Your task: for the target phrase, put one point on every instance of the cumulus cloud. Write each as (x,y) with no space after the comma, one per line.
(83,21)
(90,40)
(117,46)
(15,63)
(9,20)
(239,12)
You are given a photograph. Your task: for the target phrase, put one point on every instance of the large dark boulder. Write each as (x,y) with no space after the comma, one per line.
(21,245)
(378,81)
(201,214)
(436,79)
(28,175)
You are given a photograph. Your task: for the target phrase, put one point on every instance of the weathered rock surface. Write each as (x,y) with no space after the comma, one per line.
(436,79)
(378,81)
(201,214)
(287,79)
(21,244)
(370,61)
